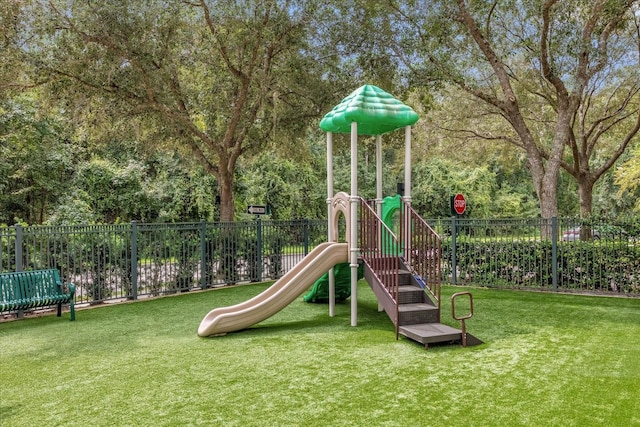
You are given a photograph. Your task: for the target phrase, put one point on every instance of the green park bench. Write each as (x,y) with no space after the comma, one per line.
(24,290)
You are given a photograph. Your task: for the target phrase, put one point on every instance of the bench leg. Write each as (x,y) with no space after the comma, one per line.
(59,309)
(72,311)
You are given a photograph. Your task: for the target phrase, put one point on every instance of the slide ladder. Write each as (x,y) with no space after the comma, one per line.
(404,273)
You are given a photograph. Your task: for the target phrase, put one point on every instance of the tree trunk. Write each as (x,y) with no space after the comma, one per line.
(543,174)
(585,191)
(549,193)
(227,208)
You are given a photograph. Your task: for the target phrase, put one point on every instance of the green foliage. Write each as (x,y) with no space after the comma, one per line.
(293,189)
(95,127)
(628,178)
(161,188)
(488,193)
(74,209)
(589,276)
(524,68)
(116,192)
(181,191)
(36,161)
(216,79)
(12,66)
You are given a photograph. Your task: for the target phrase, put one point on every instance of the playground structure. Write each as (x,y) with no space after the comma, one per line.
(403,269)
(319,292)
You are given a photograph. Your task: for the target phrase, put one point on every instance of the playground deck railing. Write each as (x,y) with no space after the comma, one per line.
(422,250)
(380,250)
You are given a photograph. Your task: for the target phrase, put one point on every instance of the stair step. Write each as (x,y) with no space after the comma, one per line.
(410,314)
(410,294)
(429,333)
(404,277)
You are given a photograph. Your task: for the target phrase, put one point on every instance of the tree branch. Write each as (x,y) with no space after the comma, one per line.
(496,64)
(547,71)
(621,148)
(220,46)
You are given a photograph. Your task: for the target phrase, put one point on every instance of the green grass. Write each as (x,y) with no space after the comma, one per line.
(548,360)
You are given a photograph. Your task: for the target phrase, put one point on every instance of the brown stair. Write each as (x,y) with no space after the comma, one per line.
(418,316)
(430,333)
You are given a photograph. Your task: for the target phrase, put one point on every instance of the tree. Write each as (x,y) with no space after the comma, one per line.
(608,117)
(541,67)
(216,77)
(36,161)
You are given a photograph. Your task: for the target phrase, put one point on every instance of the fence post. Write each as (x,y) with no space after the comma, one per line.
(554,252)
(305,236)
(18,247)
(18,251)
(134,260)
(203,255)
(454,275)
(259,259)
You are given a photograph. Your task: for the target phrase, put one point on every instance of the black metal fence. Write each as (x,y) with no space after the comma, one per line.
(130,261)
(551,254)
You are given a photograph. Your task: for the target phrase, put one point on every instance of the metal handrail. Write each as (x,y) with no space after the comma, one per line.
(462,318)
(422,251)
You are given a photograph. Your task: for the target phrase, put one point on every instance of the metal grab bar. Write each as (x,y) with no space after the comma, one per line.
(462,318)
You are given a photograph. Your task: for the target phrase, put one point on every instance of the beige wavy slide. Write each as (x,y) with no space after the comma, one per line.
(284,291)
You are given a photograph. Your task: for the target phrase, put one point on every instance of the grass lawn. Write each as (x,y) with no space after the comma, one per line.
(548,360)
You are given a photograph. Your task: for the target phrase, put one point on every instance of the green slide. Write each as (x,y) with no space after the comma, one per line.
(319,292)
(390,206)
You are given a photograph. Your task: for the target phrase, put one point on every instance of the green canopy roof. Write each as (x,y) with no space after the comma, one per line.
(375,111)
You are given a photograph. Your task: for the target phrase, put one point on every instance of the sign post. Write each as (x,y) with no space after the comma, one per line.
(458,206)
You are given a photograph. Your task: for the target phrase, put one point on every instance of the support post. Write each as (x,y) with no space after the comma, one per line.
(407,165)
(379,175)
(406,237)
(330,230)
(203,255)
(18,246)
(353,244)
(259,251)
(18,253)
(379,185)
(454,275)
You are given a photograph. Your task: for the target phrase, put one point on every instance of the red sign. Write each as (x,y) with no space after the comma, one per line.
(459,204)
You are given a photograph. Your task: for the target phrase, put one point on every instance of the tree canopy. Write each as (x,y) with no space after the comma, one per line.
(217,77)
(562,76)
(191,109)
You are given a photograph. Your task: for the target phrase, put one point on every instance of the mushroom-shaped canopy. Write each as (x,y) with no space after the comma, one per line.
(374,110)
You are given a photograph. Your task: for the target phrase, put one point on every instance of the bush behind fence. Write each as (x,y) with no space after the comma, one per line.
(129,261)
